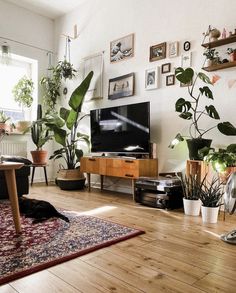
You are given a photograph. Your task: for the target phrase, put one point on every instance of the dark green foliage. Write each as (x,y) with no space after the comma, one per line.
(191,187)
(211,193)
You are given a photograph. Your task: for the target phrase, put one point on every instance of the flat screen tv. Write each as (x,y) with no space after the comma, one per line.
(122,129)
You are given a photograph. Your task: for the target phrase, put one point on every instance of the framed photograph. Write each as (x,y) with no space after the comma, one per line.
(173,49)
(170,79)
(120,87)
(157,52)
(165,68)
(151,78)
(122,48)
(186,60)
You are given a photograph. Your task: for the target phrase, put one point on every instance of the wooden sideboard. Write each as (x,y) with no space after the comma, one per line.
(118,167)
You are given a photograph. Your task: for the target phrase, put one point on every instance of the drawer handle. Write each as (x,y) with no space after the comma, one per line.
(129,175)
(126,161)
(91,159)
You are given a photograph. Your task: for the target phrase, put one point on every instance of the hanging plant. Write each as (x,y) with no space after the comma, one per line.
(23,92)
(65,70)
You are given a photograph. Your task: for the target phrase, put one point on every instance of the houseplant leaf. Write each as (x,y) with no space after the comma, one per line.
(182,105)
(186,115)
(207,92)
(231,148)
(211,111)
(226,128)
(78,95)
(204,77)
(60,135)
(184,75)
(64,113)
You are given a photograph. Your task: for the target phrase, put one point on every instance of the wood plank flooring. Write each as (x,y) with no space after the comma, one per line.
(177,253)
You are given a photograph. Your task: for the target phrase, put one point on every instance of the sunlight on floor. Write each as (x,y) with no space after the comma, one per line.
(95,211)
(212,233)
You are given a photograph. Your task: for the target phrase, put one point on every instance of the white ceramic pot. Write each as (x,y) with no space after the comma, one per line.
(209,214)
(192,207)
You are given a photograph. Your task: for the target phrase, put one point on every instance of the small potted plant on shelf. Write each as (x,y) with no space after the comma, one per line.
(193,110)
(232,54)
(191,194)
(211,197)
(212,56)
(223,161)
(70,177)
(3,119)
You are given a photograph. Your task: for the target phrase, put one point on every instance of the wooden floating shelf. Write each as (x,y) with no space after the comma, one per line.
(220,66)
(220,42)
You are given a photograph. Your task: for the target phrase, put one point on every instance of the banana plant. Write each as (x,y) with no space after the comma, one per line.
(64,126)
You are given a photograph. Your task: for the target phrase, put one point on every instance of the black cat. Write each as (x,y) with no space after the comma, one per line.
(40,210)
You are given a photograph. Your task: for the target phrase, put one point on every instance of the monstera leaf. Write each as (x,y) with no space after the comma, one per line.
(184,75)
(211,111)
(226,128)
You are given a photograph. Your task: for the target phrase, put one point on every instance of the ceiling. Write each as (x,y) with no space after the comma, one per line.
(48,8)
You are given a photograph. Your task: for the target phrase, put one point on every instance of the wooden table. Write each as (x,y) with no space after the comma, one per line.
(9,170)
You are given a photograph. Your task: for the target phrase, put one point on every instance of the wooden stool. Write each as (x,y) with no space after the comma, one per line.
(45,172)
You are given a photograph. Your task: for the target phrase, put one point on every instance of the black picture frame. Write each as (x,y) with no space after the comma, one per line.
(121,86)
(165,68)
(170,79)
(187,46)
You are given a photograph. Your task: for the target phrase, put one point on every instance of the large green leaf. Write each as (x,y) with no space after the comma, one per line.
(227,128)
(64,113)
(207,92)
(184,75)
(211,111)
(231,148)
(71,119)
(182,105)
(204,77)
(78,95)
(60,135)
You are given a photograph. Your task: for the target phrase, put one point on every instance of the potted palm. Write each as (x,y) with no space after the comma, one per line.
(211,194)
(191,194)
(193,110)
(65,129)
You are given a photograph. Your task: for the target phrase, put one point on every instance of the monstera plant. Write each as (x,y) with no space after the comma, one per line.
(65,132)
(193,110)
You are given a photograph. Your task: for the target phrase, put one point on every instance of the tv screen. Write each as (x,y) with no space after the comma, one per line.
(121,129)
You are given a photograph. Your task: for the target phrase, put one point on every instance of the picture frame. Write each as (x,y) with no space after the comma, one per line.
(152,78)
(173,49)
(187,46)
(186,59)
(120,87)
(94,63)
(122,48)
(170,79)
(165,68)
(157,52)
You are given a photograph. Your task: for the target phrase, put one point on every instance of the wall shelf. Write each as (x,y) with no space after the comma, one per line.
(220,66)
(220,42)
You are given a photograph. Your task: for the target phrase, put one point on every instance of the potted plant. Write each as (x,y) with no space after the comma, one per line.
(232,54)
(70,177)
(65,70)
(40,135)
(191,195)
(193,110)
(211,197)
(3,119)
(23,94)
(223,161)
(212,56)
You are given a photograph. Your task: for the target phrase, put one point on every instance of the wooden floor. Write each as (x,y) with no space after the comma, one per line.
(177,254)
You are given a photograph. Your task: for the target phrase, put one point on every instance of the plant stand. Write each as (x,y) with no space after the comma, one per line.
(197,168)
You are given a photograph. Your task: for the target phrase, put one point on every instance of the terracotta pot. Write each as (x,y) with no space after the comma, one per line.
(232,57)
(39,157)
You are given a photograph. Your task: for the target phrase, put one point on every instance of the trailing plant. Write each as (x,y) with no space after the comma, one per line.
(23,92)
(191,187)
(65,70)
(211,193)
(69,138)
(192,110)
(220,159)
(3,117)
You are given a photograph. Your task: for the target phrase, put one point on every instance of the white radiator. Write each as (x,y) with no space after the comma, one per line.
(13,148)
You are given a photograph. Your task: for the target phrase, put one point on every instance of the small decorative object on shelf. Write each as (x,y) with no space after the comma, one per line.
(223,35)
(212,56)
(232,54)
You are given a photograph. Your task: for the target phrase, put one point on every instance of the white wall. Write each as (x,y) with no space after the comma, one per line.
(153,22)
(24,26)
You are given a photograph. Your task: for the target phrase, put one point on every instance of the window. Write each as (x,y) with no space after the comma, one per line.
(9,75)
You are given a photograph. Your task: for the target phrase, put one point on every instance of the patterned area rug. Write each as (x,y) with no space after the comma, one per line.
(52,242)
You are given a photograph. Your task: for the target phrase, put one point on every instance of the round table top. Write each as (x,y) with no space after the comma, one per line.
(10,165)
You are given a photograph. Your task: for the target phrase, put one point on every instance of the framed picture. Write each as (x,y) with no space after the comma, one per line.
(122,48)
(186,60)
(187,46)
(165,68)
(157,52)
(170,79)
(120,87)
(151,78)
(94,63)
(173,49)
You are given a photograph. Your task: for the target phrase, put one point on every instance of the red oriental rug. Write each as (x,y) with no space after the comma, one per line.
(52,242)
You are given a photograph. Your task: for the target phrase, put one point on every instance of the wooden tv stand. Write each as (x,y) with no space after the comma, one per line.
(118,167)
